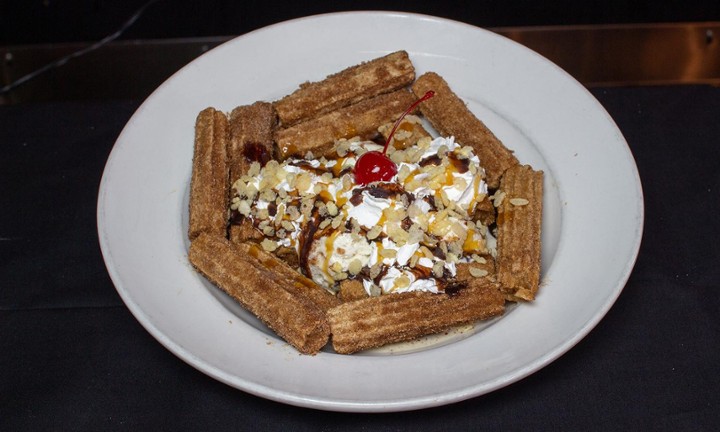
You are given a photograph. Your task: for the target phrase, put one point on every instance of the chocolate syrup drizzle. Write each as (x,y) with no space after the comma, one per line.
(256,152)
(382,191)
(305,240)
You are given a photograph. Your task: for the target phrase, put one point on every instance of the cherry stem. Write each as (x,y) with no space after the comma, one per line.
(425,97)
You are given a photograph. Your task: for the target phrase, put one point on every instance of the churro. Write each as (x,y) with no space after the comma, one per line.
(483,267)
(251,140)
(292,280)
(450,116)
(251,137)
(209,186)
(350,86)
(318,135)
(261,291)
(243,231)
(351,290)
(519,224)
(377,321)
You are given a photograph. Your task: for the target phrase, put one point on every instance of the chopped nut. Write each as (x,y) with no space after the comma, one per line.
(322,208)
(478,259)
(427,252)
(337,222)
(398,156)
(388,253)
(498,198)
(414,260)
(244,208)
(374,232)
(347,182)
(293,212)
(355,267)
(476,272)
(254,169)
(442,151)
(268,195)
(303,181)
(519,201)
(332,208)
(438,269)
(375,270)
(269,245)
(444,247)
(342,147)
(402,282)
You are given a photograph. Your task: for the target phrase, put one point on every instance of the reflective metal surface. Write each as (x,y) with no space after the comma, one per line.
(630,54)
(600,55)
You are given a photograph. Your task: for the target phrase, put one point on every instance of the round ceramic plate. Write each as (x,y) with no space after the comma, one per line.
(536,109)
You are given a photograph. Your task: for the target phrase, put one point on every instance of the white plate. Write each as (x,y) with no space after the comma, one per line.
(592,226)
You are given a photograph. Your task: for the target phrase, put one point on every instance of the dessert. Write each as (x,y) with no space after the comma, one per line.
(320,241)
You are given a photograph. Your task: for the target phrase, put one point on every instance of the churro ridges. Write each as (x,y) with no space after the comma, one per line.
(209,185)
(251,130)
(519,224)
(376,321)
(350,86)
(294,318)
(318,135)
(251,137)
(450,117)
(288,278)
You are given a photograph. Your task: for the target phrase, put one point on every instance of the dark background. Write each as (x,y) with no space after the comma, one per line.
(51,21)
(74,358)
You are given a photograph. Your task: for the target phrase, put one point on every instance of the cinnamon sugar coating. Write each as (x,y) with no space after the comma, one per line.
(519,225)
(209,185)
(347,87)
(377,321)
(262,291)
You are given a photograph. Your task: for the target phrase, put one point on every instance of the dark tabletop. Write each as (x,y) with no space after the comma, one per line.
(74,358)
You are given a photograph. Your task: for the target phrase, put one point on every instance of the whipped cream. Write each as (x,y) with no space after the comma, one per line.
(403,235)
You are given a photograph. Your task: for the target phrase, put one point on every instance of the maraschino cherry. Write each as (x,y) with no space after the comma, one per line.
(374,166)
